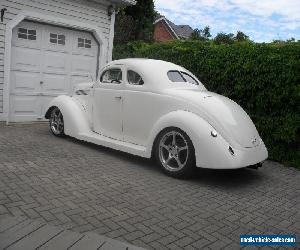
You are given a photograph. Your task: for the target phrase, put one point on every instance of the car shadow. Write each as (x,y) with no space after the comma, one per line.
(227,178)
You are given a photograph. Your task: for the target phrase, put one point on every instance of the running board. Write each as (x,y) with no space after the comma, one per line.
(113,143)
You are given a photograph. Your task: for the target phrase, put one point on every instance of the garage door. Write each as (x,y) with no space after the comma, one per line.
(47,61)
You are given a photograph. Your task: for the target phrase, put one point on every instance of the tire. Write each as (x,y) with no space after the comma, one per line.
(56,123)
(175,153)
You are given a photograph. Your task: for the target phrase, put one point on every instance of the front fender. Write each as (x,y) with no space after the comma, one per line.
(75,117)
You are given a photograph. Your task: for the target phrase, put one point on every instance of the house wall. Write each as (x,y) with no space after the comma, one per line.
(86,11)
(161,33)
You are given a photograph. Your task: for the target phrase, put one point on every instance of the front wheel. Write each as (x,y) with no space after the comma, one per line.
(175,153)
(56,122)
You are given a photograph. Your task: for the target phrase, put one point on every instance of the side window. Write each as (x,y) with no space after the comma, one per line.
(28,34)
(112,76)
(175,76)
(84,43)
(57,39)
(134,78)
(189,78)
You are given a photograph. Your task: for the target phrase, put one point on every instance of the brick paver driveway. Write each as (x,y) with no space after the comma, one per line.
(89,188)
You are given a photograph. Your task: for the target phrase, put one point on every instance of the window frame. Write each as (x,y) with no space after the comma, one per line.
(85,42)
(27,34)
(56,38)
(181,73)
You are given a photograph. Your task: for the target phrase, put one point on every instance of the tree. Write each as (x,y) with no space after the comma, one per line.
(223,38)
(143,14)
(124,28)
(241,37)
(135,22)
(202,35)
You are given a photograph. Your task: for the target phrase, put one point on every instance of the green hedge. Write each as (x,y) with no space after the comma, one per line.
(263,78)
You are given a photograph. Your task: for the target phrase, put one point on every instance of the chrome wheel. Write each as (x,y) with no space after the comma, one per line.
(57,122)
(173,151)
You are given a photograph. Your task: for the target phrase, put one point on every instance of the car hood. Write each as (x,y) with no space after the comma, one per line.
(226,116)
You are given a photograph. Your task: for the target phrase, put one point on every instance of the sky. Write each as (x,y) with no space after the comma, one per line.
(262,20)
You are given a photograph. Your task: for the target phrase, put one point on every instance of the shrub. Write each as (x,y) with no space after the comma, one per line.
(263,78)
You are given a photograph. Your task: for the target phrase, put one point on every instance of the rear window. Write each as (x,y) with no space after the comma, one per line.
(175,76)
(178,76)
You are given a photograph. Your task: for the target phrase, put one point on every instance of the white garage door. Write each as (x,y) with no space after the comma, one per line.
(46,62)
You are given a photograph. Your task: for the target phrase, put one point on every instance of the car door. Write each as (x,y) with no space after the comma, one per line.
(107,104)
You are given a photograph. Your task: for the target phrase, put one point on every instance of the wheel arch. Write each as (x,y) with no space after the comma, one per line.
(186,121)
(75,118)
(48,112)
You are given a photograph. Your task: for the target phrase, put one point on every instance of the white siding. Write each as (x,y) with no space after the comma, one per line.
(80,10)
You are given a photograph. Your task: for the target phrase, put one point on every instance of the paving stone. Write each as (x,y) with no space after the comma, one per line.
(78,185)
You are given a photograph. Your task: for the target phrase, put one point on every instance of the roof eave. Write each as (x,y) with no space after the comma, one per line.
(124,2)
(169,26)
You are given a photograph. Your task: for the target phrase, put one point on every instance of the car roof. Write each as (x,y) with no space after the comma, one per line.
(140,62)
(152,71)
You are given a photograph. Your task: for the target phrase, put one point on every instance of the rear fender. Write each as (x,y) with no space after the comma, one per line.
(75,117)
(193,125)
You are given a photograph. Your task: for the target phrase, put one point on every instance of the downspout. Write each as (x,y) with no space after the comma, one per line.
(111,35)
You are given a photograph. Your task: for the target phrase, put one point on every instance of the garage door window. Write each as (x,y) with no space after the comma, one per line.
(26,34)
(84,43)
(57,39)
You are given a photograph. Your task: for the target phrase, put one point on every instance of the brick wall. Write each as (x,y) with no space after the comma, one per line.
(161,33)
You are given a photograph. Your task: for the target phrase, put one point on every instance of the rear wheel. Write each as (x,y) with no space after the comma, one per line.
(175,153)
(56,122)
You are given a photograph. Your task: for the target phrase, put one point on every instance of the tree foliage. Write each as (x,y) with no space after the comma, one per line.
(223,38)
(135,22)
(241,37)
(202,34)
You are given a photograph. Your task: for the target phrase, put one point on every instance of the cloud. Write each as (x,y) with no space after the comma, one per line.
(263,20)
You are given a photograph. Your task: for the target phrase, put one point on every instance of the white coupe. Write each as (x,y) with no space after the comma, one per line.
(157,109)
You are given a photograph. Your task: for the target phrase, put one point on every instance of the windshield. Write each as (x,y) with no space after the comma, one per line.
(184,77)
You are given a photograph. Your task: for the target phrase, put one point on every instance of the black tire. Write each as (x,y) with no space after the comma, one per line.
(56,122)
(174,159)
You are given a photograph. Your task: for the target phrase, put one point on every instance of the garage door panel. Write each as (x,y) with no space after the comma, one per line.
(75,79)
(24,81)
(83,64)
(25,108)
(55,62)
(84,44)
(55,83)
(26,59)
(27,34)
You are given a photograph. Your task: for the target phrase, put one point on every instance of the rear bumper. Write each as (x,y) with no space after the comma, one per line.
(216,155)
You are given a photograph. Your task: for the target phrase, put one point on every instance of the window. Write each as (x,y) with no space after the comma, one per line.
(84,43)
(134,78)
(176,76)
(112,76)
(26,34)
(189,78)
(57,39)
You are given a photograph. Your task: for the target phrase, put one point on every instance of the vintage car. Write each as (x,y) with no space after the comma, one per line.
(153,108)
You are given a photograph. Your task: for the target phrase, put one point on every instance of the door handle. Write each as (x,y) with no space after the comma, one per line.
(118,97)
(41,82)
